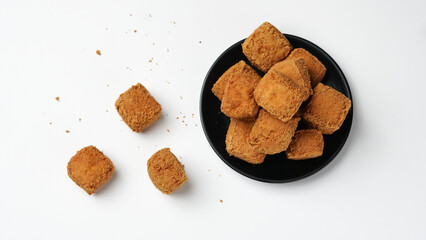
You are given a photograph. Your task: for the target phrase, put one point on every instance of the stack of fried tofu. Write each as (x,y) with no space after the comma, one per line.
(265,111)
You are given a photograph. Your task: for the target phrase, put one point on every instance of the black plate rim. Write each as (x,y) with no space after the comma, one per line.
(283,180)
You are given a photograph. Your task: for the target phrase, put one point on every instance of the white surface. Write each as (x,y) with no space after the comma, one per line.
(374,189)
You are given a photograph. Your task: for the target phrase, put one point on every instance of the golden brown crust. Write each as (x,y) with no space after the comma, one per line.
(238,99)
(270,135)
(327,109)
(297,70)
(218,88)
(266,46)
(165,171)
(306,144)
(89,168)
(278,95)
(237,142)
(138,108)
(316,68)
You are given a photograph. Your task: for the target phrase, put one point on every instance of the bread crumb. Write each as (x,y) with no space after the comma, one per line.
(184,116)
(153,43)
(186,124)
(150,15)
(50,123)
(208,170)
(135,31)
(107,110)
(98,52)
(67,131)
(167,50)
(193,115)
(131,15)
(199,41)
(181,98)
(220,175)
(107,85)
(168,130)
(57,99)
(106,29)
(150,61)
(221,201)
(177,117)
(79,119)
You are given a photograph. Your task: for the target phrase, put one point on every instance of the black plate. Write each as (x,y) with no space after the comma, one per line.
(276,168)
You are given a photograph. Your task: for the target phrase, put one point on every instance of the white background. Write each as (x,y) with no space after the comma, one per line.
(374,189)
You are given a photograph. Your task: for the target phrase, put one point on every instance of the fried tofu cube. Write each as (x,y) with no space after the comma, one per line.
(297,70)
(307,143)
(165,171)
(238,99)
(138,108)
(327,109)
(266,46)
(270,135)
(316,68)
(89,168)
(278,95)
(218,88)
(237,142)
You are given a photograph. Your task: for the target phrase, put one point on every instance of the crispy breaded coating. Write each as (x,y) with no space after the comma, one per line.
(270,135)
(218,88)
(266,46)
(306,144)
(316,68)
(165,171)
(238,99)
(89,168)
(278,95)
(237,142)
(297,70)
(138,108)
(327,109)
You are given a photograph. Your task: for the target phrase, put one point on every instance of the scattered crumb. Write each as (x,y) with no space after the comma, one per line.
(150,61)
(184,116)
(181,98)
(107,85)
(181,69)
(186,124)
(156,63)
(98,52)
(150,70)
(174,22)
(57,99)
(221,201)
(79,119)
(167,50)
(183,121)
(107,110)
(150,15)
(153,43)
(196,125)
(177,117)
(208,170)
(220,175)
(131,15)
(67,131)
(50,123)
(199,41)
(166,115)
(106,29)
(139,146)
(168,130)
(167,82)
(192,115)
(135,31)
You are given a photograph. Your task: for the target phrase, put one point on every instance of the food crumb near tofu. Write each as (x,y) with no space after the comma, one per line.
(57,99)
(67,131)
(98,52)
